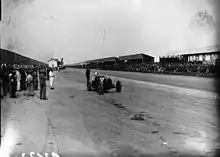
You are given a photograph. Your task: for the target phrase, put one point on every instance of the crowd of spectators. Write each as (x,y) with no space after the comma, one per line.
(193,69)
(184,68)
(17,78)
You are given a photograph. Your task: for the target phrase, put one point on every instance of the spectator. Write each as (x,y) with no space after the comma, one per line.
(23,77)
(18,76)
(87,75)
(13,80)
(42,85)
(29,80)
(52,76)
(35,80)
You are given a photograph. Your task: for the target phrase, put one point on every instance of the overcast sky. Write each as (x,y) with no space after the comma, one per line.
(73,29)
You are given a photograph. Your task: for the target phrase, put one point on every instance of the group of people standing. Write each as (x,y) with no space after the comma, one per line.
(16,79)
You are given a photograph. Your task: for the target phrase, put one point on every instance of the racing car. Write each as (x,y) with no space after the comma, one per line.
(102,84)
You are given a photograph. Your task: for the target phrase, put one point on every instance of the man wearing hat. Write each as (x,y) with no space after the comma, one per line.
(35,81)
(51,76)
(18,75)
(29,80)
(87,75)
(13,80)
(43,79)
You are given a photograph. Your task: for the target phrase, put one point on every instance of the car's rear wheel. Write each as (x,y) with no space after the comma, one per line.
(118,86)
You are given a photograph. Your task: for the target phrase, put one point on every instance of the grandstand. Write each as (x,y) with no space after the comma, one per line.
(104,63)
(9,57)
(184,65)
(112,63)
(137,58)
(200,55)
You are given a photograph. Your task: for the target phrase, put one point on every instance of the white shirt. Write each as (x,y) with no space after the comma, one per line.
(51,74)
(29,78)
(18,75)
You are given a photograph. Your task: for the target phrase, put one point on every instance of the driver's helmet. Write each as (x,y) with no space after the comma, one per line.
(96,74)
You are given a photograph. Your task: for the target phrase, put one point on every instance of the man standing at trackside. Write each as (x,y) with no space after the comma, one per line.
(29,80)
(87,75)
(52,76)
(18,80)
(35,81)
(13,80)
(43,79)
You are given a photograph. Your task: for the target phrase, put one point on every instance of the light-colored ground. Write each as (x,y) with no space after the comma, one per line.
(74,122)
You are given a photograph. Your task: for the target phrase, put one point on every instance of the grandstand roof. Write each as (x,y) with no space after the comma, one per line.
(92,61)
(135,56)
(102,60)
(14,57)
(109,59)
(200,50)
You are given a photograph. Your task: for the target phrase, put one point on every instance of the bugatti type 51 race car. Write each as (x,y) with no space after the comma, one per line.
(103,84)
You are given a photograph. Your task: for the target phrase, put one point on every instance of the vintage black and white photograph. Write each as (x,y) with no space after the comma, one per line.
(109,78)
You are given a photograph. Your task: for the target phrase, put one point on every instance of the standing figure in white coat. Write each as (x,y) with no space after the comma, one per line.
(51,76)
(18,76)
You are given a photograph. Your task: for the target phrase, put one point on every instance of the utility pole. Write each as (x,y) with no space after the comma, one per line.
(103,42)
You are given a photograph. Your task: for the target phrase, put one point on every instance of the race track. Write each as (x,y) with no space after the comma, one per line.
(200,83)
(176,120)
(179,116)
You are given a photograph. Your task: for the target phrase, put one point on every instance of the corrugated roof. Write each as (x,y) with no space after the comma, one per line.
(109,59)
(53,59)
(135,56)
(102,60)
(199,50)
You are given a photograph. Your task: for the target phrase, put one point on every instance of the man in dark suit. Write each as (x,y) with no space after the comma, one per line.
(35,81)
(13,81)
(42,85)
(87,75)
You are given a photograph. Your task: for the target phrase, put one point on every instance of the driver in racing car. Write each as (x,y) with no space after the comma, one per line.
(96,78)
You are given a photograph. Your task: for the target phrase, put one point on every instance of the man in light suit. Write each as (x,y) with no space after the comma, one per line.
(51,77)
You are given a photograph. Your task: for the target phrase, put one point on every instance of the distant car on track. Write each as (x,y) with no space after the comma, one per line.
(103,84)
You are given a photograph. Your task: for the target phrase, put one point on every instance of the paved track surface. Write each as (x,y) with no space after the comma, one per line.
(74,122)
(200,83)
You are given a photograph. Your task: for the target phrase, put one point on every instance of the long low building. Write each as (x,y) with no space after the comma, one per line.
(137,58)
(133,58)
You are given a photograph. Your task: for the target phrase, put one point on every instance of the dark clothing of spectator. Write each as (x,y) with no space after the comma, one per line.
(13,85)
(88,75)
(23,79)
(42,86)
(35,81)
(47,73)
(5,83)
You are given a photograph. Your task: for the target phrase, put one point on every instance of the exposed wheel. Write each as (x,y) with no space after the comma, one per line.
(89,88)
(101,89)
(118,86)
(108,84)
